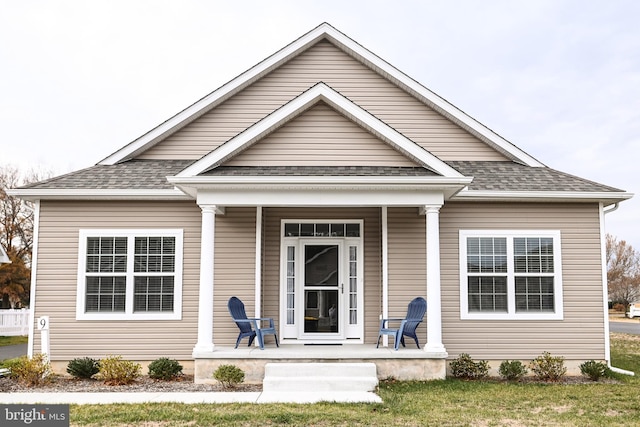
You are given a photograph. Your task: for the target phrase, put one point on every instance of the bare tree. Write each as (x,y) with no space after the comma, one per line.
(16,236)
(623,271)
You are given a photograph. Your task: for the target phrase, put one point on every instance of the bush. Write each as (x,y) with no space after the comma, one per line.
(30,371)
(594,370)
(229,375)
(512,370)
(465,368)
(547,367)
(164,369)
(115,371)
(85,367)
(620,307)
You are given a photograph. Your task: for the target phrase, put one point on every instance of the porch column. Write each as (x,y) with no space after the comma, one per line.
(205,298)
(434,306)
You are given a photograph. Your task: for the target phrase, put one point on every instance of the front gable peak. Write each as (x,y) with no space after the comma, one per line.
(320,92)
(353,49)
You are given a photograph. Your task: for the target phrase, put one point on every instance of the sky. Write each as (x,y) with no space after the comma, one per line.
(558,78)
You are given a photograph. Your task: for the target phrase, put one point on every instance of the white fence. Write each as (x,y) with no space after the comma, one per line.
(14,322)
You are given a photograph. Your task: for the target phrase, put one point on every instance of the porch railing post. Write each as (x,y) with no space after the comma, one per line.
(205,298)
(434,304)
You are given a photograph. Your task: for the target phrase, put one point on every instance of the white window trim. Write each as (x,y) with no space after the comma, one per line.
(511,311)
(128,314)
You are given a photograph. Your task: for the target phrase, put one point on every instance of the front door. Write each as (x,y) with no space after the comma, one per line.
(322,290)
(321,285)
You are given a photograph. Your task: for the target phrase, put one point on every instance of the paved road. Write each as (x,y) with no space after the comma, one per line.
(11,351)
(625,327)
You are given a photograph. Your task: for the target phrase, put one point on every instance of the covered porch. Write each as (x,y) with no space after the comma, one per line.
(282,287)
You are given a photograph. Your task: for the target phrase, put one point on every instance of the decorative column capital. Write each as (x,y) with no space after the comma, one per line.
(214,209)
(430,209)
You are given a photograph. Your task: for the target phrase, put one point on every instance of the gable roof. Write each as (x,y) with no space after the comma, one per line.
(355,50)
(4,258)
(320,92)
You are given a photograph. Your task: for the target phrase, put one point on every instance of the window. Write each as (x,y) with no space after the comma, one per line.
(129,274)
(510,274)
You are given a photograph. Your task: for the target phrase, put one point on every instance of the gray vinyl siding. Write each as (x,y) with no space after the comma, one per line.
(56,281)
(324,62)
(407,262)
(372,258)
(320,136)
(234,272)
(580,335)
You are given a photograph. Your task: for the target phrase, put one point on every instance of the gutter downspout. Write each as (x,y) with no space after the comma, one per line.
(604,274)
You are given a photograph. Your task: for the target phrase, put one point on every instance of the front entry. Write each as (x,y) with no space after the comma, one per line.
(321,288)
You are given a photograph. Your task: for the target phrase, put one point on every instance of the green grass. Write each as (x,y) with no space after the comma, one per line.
(13,340)
(437,403)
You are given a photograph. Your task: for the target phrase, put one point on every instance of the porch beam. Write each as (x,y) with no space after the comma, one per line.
(434,304)
(205,299)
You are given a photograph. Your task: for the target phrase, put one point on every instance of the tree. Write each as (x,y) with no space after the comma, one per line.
(623,271)
(16,237)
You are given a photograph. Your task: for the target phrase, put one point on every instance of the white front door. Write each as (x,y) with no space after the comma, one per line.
(321,289)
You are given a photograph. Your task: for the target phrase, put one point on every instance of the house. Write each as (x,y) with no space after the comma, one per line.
(323,177)
(4,258)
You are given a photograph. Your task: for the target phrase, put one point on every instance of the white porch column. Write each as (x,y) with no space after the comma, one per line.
(205,298)
(434,305)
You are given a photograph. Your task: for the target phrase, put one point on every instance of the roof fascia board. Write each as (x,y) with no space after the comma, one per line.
(97,194)
(569,196)
(204,181)
(350,46)
(317,93)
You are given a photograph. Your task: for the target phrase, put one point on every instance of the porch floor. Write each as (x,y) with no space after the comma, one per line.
(405,364)
(319,351)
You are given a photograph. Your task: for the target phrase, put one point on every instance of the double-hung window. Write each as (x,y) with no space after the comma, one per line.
(130,274)
(514,274)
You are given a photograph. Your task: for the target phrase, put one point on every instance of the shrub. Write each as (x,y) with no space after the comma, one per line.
(164,369)
(30,371)
(547,367)
(85,367)
(115,371)
(465,368)
(512,370)
(229,375)
(594,370)
(620,307)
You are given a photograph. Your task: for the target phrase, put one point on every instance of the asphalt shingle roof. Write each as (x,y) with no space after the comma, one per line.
(488,176)
(512,176)
(133,174)
(319,171)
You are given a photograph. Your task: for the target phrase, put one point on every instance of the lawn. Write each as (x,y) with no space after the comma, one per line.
(13,340)
(436,403)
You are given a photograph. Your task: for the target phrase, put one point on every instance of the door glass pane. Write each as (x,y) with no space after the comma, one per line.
(321,311)
(321,265)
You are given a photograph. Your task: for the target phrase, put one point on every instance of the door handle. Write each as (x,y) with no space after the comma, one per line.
(342,288)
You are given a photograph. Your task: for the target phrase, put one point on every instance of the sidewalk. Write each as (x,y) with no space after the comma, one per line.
(199,397)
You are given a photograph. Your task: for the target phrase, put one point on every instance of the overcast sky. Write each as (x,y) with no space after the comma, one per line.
(560,79)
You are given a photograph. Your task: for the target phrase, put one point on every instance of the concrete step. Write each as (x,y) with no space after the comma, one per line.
(305,377)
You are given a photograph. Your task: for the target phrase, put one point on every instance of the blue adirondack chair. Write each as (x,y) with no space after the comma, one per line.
(250,326)
(415,313)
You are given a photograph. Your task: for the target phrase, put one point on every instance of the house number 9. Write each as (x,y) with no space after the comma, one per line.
(43,323)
